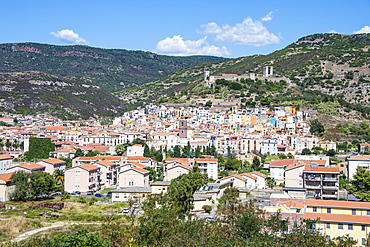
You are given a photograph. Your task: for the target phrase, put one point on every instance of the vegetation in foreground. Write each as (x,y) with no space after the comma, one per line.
(166,221)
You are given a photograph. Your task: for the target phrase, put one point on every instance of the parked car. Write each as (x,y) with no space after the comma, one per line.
(135,205)
(90,193)
(109,194)
(125,211)
(210,218)
(56,194)
(73,194)
(99,195)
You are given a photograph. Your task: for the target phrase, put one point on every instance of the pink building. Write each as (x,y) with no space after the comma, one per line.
(108,174)
(52,164)
(30,167)
(82,178)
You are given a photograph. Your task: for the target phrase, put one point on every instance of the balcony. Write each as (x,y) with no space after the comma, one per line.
(330,187)
(310,178)
(331,179)
(312,187)
(330,196)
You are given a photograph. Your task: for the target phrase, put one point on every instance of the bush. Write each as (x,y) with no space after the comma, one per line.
(207,208)
(93,200)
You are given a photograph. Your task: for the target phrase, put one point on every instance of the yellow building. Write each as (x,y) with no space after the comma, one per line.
(339,218)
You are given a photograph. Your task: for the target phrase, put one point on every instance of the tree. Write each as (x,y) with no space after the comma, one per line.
(39,148)
(182,189)
(121,149)
(207,208)
(177,152)
(256,164)
(360,185)
(138,141)
(79,153)
(270,182)
(331,152)
(92,153)
(197,152)
(28,185)
(146,151)
(316,127)
(306,151)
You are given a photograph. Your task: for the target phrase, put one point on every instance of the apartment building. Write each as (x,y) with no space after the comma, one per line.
(339,218)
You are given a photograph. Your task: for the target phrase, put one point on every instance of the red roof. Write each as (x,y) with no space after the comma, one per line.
(6,177)
(89,167)
(339,204)
(347,218)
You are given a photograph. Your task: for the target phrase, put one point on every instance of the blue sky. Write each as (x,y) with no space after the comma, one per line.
(232,28)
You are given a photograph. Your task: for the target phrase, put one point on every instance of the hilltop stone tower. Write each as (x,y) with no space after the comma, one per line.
(206,75)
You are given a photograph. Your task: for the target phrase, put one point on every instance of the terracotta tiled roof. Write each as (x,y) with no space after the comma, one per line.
(281,163)
(5,157)
(258,173)
(293,204)
(137,158)
(322,169)
(205,160)
(66,150)
(106,163)
(345,218)
(137,164)
(31,166)
(53,161)
(89,167)
(360,157)
(140,169)
(339,204)
(6,177)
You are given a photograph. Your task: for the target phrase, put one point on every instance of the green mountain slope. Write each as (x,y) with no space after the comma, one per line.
(327,72)
(110,69)
(67,98)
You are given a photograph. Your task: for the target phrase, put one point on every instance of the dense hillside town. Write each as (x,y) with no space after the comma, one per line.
(258,151)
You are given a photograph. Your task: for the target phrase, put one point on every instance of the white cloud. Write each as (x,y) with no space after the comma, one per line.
(332,31)
(268,17)
(365,29)
(177,46)
(69,36)
(248,32)
(211,27)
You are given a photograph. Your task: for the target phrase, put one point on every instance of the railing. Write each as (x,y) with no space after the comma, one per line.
(330,187)
(313,178)
(330,195)
(312,186)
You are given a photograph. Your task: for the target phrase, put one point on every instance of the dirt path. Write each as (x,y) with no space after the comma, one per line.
(26,235)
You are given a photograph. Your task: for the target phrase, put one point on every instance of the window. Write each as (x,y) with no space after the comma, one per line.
(368,212)
(362,227)
(327,225)
(350,226)
(363,241)
(351,238)
(353,211)
(328,210)
(340,226)
(314,209)
(328,238)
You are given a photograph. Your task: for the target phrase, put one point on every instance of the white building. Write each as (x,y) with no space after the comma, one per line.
(6,161)
(355,161)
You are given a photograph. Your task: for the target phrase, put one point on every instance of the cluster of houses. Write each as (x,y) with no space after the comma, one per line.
(281,130)
(247,133)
